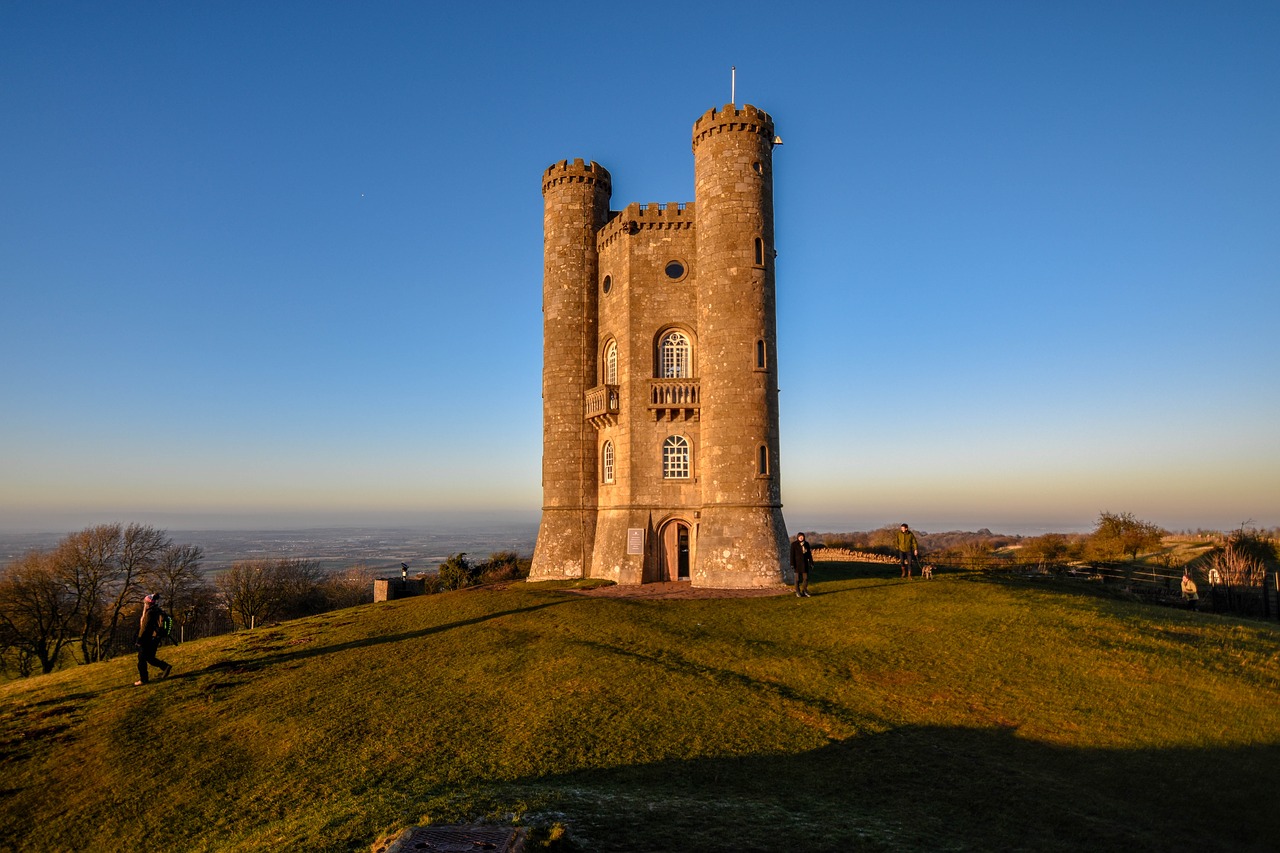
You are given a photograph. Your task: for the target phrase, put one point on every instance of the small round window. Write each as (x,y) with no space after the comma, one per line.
(675,270)
(607,284)
(757,168)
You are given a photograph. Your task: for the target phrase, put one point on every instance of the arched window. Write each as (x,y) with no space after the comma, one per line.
(674,356)
(675,458)
(762,464)
(759,252)
(761,363)
(611,363)
(606,462)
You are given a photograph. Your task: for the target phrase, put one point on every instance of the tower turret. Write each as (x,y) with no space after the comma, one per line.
(742,539)
(576,205)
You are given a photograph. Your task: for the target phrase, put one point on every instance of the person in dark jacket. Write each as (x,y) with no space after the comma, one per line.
(149,640)
(908,549)
(801,563)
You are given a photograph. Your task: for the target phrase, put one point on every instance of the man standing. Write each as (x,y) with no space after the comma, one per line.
(908,549)
(149,640)
(801,563)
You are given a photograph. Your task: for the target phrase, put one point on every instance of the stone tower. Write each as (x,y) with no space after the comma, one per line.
(659,380)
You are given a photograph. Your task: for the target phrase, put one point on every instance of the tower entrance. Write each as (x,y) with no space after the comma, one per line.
(675,552)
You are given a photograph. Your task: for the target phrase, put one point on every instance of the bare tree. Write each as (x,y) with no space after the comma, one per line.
(178,579)
(297,588)
(86,562)
(140,549)
(37,611)
(104,565)
(248,587)
(348,588)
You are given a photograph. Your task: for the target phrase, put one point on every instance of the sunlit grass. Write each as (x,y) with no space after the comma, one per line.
(964,712)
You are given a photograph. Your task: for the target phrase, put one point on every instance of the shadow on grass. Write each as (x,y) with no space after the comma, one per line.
(678,664)
(300,653)
(923,788)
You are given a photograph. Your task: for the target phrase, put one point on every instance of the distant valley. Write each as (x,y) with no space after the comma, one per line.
(334,548)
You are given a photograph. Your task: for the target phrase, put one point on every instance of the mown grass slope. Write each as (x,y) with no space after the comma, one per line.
(960,713)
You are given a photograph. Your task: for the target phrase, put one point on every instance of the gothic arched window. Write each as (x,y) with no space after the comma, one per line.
(675,356)
(606,462)
(611,363)
(675,458)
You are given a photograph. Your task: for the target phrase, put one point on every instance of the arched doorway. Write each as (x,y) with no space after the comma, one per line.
(675,551)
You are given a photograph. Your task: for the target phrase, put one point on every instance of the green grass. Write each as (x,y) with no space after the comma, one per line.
(964,713)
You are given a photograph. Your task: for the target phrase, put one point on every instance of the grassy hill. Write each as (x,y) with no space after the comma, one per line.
(964,713)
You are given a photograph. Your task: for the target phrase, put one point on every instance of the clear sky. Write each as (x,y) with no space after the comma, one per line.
(280,263)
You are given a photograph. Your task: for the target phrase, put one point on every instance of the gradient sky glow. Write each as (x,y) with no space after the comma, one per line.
(280,264)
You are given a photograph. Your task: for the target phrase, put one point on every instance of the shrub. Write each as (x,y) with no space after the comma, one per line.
(504,566)
(456,572)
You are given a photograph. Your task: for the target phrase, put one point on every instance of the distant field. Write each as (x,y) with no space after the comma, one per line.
(964,713)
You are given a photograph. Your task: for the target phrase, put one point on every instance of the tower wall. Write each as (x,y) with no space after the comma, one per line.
(575,207)
(644,301)
(742,539)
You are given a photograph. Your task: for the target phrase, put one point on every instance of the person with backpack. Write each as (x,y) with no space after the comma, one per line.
(150,633)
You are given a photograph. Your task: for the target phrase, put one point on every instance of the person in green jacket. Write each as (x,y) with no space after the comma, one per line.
(908,549)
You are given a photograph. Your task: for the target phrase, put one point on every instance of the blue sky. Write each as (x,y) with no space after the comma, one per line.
(280,264)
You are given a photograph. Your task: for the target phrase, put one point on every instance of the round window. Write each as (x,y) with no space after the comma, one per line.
(675,270)
(607,284)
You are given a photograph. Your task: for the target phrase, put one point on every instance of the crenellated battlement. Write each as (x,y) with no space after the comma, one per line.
(577,171)
(642,217)
(729,118)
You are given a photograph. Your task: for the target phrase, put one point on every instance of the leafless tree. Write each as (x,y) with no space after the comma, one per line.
(178,579)
(104,565)
(248,588)
(37,611)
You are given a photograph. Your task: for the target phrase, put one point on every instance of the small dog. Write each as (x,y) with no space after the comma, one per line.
(926,571)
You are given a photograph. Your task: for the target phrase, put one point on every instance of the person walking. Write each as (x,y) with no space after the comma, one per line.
(148,641)
(908,549)
(801,563)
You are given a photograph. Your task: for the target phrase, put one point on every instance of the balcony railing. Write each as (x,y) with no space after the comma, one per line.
(601,405)
(675,398)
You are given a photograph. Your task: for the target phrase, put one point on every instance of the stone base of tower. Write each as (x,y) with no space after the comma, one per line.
(742,547)
(611,560)
(566,538)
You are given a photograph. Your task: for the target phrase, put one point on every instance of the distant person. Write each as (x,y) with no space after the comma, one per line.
(801,563)
(1189,592)
(149,640)
(908,549)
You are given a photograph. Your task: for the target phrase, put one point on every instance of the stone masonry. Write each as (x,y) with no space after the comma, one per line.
(660,381)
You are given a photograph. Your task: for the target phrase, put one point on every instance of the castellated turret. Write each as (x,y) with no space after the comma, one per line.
(575,206)
(660,381)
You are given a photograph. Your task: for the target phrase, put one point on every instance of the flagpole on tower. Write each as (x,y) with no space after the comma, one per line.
(733,85)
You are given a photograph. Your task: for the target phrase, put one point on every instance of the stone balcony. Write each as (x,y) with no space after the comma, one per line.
(601,405)
(675,399)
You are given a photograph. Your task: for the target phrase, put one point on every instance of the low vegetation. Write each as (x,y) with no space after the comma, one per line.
(976,711)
